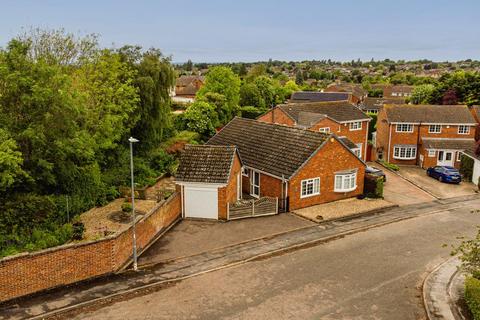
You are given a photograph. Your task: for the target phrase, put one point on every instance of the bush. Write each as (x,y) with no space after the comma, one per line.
(472,296)
(466,167)
(373,186)
(251,112)
(390,166)
(127,207)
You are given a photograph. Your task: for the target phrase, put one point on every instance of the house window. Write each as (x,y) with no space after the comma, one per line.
(255,183)
(459,156)
(358,150)
(244,172)
(310,187)
(394,94)
(372,111)
(355,125)
(431,153)
(435,128)
(463,129)
(404,127)
(405,152)
(324,130)
(345,182)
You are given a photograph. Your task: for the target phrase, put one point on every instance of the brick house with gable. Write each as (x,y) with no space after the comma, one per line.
(341,118)
(424,135)
(357,93)
(299,167)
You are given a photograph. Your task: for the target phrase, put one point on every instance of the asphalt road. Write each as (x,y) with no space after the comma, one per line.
(376,274)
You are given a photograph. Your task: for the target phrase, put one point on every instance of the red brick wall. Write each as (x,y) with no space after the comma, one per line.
(269,186)
(342,130)
(31,272)
(450,132)
(403,138)
(333,157)
(279,117)
(228,194)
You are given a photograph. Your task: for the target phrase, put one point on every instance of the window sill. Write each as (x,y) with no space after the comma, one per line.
(396,158)
(345,190)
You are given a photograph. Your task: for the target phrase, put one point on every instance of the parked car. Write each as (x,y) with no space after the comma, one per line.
(376,172)
(445,174)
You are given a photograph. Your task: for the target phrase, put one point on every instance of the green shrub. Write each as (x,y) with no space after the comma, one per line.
(472,296)
(390,166)
(373,186)
(251,112)
(466,167)
(127,207)
(78,229)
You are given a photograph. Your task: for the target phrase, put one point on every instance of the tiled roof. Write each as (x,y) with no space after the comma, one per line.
(352,88)
(370,103)
(477,111)
(206,164)
(313,96)
(387,91)
(186,80)
(276,149)
(339,111)
(446,143)
(348,142)
(474,150)
(429,114)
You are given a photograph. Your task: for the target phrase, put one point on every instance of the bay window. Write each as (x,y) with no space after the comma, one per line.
(405,152)
(345,182)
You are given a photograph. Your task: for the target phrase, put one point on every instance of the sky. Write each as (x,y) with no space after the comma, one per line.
(248,30)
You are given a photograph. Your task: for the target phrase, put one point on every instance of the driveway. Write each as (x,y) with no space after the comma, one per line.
(399,191)
(191,237)
(439,189)
(375,274)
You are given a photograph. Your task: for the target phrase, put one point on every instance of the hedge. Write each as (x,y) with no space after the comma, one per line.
(472,296)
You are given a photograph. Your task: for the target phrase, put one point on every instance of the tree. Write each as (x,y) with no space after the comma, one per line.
(250,95)
(188,66)
(222,81)
(422,94)
(256,71)
(265,86)
(10,161)
(450,97)
(299,77)
(201,117)
(154,78)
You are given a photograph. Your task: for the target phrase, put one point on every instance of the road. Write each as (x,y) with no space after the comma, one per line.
(376,274)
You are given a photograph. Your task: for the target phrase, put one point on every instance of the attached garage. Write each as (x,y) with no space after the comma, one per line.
(209,178)
(201,201)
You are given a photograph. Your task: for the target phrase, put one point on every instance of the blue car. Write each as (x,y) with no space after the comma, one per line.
(445,174)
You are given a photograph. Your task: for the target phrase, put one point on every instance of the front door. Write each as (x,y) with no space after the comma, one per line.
(445,158)
(255,184)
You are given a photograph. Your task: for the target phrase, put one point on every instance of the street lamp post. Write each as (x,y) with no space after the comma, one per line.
(132,141)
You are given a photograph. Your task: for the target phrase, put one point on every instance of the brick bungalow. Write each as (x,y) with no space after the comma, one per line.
(299,167)
(341,118)
(209,177)
(424,135)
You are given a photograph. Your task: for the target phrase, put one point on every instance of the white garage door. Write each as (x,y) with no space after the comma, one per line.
(201,202)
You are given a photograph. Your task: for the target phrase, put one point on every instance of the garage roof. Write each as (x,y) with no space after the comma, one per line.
(448,144)
(206,164)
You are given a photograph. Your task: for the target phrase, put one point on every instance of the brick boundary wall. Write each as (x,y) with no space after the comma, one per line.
(27,273)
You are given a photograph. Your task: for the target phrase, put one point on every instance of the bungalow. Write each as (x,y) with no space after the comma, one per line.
(299,167)
(341,118)
(424,135)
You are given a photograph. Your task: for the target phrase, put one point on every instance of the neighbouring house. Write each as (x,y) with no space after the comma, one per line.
(397,91)
(424,135)
(186,88)
(209,177)
(317,96)
(474,153)
(475,110)
(298,167)
(357,93)
(341,118)
(373,105)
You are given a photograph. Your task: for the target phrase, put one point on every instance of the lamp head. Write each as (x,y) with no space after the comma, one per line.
(132,140)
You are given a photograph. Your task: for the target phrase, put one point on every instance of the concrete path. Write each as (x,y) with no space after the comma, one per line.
(400,191)
(183,268)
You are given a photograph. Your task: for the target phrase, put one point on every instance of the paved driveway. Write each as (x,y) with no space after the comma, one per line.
(439,189)
(191,237)
(399,191)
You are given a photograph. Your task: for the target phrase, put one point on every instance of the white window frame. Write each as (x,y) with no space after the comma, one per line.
(345,182)
(432,153)
(253,186)
(405,152)
(324,129)
(357,125)
(314,183)
(244,172)
(435,128)
(358,150)
(459,156)
(404,127)
(463,129)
